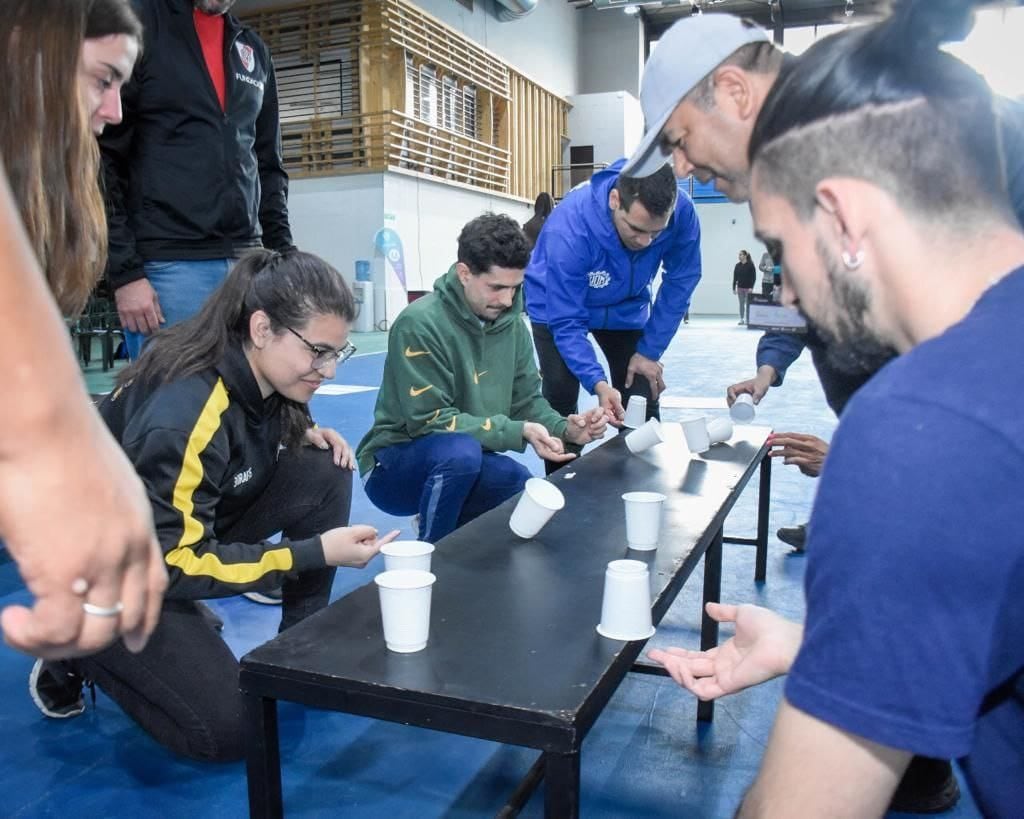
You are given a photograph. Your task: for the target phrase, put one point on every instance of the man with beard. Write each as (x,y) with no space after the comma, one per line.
(194,174)
(460,388)
(702,91)
(914,641)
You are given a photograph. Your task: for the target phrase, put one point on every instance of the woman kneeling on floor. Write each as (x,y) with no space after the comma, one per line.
(214,418)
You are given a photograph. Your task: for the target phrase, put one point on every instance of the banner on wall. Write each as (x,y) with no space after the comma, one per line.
(389,281)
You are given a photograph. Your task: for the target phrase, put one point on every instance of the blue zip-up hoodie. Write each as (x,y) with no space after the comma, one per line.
(581,277)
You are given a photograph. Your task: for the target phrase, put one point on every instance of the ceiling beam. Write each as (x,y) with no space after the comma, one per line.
(794,15)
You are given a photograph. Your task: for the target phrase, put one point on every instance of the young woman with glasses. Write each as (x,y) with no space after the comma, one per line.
(214,418)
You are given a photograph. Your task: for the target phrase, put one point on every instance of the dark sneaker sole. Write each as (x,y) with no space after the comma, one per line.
(73,710)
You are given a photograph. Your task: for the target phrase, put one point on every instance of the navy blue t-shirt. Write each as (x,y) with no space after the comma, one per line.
(915,578)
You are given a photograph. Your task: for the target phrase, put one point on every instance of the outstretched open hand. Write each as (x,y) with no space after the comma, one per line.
(763,647)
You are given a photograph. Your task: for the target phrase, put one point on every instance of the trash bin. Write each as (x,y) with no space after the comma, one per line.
(363,292)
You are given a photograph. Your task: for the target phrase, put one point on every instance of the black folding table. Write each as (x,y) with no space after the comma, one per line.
(513,655)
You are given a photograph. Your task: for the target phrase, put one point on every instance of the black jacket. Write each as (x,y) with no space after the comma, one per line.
(184,179)
(744,275)
(206,447)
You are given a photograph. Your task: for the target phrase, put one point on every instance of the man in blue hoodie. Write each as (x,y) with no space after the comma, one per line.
(591,272)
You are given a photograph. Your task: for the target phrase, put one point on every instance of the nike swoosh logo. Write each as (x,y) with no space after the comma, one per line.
(414,392)
(411,353)
(451,426)
(486,426)
(476,376)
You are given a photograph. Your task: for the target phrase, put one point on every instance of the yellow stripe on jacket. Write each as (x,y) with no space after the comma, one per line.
(182,556)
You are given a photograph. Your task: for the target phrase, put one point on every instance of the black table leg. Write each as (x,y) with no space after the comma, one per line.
(562,785)
(763,501)
(263,758)
(708,626)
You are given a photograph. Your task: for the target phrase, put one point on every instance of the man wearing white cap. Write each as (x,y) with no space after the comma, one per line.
(701,94)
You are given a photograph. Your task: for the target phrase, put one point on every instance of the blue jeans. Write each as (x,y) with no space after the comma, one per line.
(183,288)
(460,481)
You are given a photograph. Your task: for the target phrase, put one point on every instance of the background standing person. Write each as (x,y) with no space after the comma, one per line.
(182,208)
(767,268)
(213,416)
(95,570)
(743,278)
(592,272)
(541,211)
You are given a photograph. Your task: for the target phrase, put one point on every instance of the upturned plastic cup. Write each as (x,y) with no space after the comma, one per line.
(405,608)
(539,501)
(742,410)
(645,437)
(719,429)
(636,412)
(643,519)
(695,430)
(626,607)
(407,554)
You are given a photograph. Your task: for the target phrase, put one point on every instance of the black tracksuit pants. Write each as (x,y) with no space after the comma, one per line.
(183,687)
(562,389)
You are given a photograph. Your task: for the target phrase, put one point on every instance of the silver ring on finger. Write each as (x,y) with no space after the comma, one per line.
(103,611)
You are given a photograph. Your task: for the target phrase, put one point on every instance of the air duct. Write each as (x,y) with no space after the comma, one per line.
(515,9)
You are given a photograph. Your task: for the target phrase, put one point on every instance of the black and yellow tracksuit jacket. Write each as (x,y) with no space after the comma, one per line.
(206,447)
(447,371)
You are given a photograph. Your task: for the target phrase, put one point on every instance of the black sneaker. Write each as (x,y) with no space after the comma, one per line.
(56,689)
(271,597)
(928,786)
(795,536)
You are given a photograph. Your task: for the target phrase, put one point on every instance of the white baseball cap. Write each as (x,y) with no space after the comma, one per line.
(690,50)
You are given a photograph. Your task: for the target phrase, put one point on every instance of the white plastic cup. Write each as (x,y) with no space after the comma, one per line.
(405,608)
(626,606)
(407,554)
(539,501)
(636,412)
(643,519)
(695,430)
(742,410)
(719,429)
(645,437)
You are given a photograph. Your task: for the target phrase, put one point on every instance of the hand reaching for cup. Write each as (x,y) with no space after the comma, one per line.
(586,427)
(610,400)
(353,546)
(756,387)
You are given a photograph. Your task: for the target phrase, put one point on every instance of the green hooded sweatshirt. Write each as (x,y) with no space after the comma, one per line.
(448,371)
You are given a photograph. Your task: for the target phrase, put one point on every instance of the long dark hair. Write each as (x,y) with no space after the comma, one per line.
(106,17)
(46,144)
(883,102)
(291,288)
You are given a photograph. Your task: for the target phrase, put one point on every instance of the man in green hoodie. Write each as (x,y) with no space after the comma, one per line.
(460,386)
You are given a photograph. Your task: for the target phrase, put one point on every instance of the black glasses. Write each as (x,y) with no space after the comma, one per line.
(322,356)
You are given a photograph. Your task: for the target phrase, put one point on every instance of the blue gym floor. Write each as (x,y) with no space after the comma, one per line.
(644,757)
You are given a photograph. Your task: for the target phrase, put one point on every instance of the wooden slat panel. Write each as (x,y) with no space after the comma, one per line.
(348,105)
